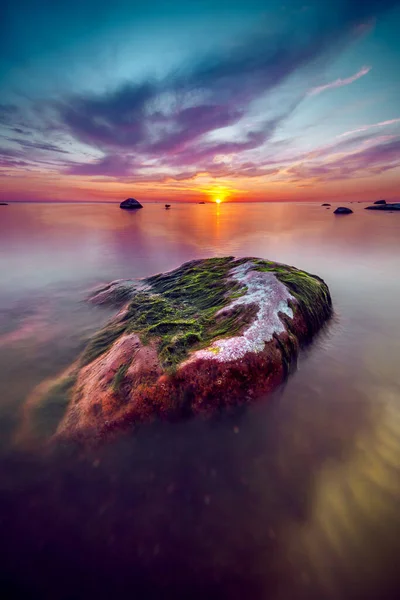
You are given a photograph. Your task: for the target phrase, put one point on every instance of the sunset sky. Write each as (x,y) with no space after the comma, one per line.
(197,100)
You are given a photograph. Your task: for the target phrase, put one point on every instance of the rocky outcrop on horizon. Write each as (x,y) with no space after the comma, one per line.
(389,207)
(343,210)
(130,203)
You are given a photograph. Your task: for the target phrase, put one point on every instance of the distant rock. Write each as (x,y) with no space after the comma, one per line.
(380,202)
(130,203)
(167,206)
(325,204)
(201,202)
(343,210)
(388,207)
(3,204)
(208,336)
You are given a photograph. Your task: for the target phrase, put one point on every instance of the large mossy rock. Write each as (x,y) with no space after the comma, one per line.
(211,334)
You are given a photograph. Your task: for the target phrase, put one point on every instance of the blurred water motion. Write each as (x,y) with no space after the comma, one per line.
(296,497)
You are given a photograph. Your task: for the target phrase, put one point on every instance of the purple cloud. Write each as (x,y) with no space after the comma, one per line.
(375,159)
(48,147)
(109,166)
(11,159)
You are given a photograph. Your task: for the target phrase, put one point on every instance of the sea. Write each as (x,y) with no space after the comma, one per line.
(294,497)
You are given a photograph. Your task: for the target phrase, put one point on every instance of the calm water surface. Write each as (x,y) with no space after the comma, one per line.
(297,497)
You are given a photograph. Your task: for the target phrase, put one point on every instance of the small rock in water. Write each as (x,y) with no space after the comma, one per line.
(130,203)
(343,210)
(389,207)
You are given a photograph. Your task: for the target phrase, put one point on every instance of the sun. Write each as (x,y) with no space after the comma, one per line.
(217,194)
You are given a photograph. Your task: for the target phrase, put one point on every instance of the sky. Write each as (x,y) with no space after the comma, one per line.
(180,100)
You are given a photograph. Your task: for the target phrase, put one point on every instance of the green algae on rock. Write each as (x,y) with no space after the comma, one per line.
(211,334)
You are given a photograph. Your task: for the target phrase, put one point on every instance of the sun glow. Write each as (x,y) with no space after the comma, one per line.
(218,194)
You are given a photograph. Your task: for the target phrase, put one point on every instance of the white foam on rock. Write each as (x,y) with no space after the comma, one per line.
(271,295)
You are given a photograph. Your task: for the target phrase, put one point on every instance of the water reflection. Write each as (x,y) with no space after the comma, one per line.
(295,497)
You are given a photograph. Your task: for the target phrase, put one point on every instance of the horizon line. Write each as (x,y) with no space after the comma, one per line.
(117,202)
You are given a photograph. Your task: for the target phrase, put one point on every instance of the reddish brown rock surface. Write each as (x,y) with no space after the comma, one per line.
(210,335)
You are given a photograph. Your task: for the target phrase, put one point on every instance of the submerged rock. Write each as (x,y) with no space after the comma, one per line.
(343,210)
(3,204)
(389,207)
(325,204)
(117,292)
(130,203)
(209,335)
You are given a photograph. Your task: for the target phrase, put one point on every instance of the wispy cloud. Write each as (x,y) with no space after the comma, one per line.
(339,82)
(372,126)
(108,166)
(372,160)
